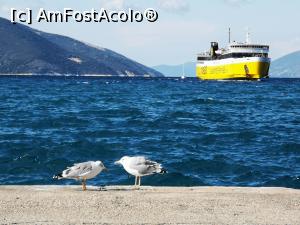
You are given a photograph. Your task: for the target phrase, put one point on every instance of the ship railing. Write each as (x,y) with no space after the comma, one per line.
(204,54)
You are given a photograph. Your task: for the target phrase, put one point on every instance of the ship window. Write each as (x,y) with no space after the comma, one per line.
(241,55)
(200,58)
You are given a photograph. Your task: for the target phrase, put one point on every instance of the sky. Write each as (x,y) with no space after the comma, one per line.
(184,27)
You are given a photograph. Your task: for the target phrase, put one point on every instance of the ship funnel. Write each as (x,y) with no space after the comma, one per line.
(214,47)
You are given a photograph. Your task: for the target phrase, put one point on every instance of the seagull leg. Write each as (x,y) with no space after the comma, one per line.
(139,181)
(135,181)
(84,184)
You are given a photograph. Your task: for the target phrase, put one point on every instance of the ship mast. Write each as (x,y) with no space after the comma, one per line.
(229,35)
(248,40)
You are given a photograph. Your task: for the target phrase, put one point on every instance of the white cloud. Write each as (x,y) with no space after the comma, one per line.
(180,6)
(119,4)
(145,42)
(112,4)
(4,9)
(177,6)
(237,2)
(5,6)
(280,48)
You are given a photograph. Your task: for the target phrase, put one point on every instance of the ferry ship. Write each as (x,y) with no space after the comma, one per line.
(239,61)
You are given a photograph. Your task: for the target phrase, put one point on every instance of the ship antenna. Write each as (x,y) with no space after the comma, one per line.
(248,36)
(229,37)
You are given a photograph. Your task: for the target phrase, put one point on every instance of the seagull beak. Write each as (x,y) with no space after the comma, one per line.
(117,162)
(105,169)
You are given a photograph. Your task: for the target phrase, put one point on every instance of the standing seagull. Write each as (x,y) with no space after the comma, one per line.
(82,171)
(139,166)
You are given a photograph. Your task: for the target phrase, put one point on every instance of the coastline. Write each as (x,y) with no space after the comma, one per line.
(148,205)
(72,75)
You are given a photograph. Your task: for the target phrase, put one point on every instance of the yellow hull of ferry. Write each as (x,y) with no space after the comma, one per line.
(236,71)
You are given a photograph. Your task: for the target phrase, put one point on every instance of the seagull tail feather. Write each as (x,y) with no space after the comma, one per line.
(163,171)
(58,176)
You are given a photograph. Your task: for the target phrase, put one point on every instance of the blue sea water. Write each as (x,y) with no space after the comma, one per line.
(204,133)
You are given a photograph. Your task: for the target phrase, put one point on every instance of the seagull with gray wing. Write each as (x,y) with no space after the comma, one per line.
(140,166)
(82,171)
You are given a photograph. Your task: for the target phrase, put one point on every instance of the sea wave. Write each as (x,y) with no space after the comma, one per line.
(204,133)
